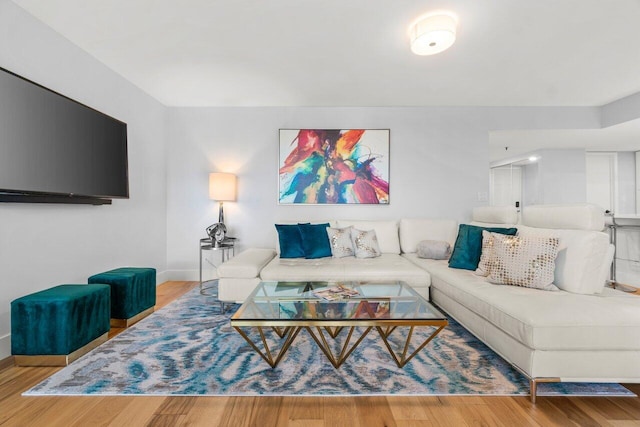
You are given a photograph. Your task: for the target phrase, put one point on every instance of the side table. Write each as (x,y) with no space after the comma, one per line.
(227,250)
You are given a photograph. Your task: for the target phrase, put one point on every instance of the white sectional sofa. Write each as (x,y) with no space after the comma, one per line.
(584,332)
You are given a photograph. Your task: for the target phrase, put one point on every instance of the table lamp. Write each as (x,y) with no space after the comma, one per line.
(222,188)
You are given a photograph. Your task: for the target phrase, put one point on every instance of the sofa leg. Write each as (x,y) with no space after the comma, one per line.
(533,386)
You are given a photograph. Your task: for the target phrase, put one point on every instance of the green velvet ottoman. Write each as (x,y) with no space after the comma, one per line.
(56,326)
(133,293)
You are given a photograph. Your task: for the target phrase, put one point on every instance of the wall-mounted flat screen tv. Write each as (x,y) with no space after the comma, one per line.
(56,150)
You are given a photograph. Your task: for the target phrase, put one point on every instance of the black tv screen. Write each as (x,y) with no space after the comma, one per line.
(53,148)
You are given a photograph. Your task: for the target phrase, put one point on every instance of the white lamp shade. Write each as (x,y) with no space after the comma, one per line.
(433,33)
(222,187)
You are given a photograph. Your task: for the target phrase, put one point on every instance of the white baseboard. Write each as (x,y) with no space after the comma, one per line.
(190,275)
(161,277)
(5,346)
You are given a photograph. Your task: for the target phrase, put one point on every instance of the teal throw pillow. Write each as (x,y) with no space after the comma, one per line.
(315,240)
(290,241)
(468,247)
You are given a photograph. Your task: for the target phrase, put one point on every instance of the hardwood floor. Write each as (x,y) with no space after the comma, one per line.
(16,410)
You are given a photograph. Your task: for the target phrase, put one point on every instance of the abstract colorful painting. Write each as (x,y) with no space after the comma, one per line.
(334,166)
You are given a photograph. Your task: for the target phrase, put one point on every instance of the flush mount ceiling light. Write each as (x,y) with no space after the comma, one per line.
(433,33)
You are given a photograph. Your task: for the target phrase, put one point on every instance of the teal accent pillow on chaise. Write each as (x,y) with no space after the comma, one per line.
(468,246)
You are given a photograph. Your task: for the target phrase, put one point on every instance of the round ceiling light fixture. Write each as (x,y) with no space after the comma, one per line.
(433,33)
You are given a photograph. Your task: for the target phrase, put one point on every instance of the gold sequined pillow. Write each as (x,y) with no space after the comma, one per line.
(340,242)
(486,256)
(523,261)
(365,243)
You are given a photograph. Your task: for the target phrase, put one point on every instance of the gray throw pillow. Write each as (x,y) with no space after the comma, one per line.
(365,243)
(433,249)
(340,242)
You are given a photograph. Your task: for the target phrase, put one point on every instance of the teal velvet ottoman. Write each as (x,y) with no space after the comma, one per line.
(133,293)
(58,325)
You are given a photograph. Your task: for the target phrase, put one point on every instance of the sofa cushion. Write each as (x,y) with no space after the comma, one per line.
(246,264)
(299,269)
(415,230)
(583,261)
(572,217)
(468,246)
(315,240)
(386,231)
(495,214)
(384,267)
(543,320)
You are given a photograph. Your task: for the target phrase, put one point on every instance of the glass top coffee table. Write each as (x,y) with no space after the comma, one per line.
(325,309)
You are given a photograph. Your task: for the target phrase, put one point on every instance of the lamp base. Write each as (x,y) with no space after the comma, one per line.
(221,214)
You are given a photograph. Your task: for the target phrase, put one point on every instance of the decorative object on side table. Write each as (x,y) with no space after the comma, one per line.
(217,233)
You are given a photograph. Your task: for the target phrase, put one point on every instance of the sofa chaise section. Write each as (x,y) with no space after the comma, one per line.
(558,335)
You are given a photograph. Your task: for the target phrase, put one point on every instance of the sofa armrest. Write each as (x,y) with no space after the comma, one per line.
(247,264)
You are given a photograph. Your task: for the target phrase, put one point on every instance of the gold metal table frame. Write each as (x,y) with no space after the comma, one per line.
(275,336)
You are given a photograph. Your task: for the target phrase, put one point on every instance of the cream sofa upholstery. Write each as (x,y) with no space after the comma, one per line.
(389,266)
(583,332)
(241,274)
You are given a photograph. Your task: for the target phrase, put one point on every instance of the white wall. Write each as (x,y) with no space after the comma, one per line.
(621,110)
(626,182)
(46,245)
(439,164)
(531,185)
(567,167)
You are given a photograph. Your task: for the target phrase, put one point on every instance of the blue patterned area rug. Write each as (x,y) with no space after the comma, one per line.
(189,348)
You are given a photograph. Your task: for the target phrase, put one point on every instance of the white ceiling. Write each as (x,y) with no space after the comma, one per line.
(356,53)
(622,137)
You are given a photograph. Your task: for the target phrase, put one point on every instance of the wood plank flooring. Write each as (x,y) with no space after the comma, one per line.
(414,411)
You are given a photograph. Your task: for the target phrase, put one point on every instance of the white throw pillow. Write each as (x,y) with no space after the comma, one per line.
(584,258)
(523,261)
(365,243)
(340,241)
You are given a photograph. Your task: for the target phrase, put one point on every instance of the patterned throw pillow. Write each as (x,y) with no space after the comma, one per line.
(340,242)
(487,257)
(524,261)
(365,243)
